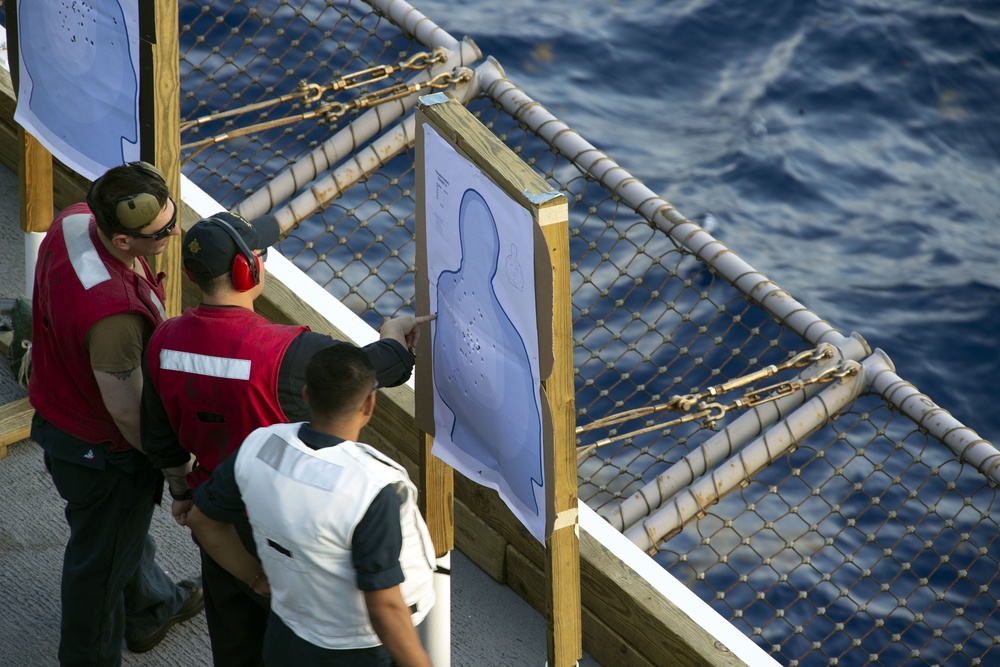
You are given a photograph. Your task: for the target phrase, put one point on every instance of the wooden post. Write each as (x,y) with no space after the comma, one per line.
(562,572)
(159,112)
(437,478)
(15,417)
(36,200)
(35,184)
(437,498)
(549,210)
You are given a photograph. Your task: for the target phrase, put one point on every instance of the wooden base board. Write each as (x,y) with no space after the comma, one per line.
(15,417)
(15,423)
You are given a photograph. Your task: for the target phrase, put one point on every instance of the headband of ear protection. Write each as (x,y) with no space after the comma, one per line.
(245,272)
(134,211)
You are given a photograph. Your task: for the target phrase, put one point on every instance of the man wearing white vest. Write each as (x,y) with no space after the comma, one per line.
(343,550)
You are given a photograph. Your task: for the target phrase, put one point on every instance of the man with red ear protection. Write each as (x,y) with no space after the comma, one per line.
(219,371)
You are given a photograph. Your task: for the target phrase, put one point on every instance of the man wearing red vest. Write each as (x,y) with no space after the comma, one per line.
(220,371)
(95,303)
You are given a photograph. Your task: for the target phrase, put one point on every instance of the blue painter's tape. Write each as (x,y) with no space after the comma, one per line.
(433,98)
(541,198)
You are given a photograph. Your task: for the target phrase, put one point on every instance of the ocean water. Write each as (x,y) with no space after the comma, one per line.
(849,150)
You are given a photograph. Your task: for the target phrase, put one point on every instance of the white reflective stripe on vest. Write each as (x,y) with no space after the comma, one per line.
(87,264)
(159,304)
(298,465)
(202,364)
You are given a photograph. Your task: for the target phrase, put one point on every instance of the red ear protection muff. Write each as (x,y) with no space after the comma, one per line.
(245,272)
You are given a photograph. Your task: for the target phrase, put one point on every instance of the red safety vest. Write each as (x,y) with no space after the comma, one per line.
(77,283)
(215,369)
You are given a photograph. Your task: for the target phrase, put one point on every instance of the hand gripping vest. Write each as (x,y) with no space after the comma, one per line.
(216,372)
(77,283)
(304,505)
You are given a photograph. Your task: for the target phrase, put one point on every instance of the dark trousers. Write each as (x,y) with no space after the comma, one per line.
(111,586)
(283,648)
(236,616)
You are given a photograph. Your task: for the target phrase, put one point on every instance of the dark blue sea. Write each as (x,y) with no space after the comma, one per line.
(849,150)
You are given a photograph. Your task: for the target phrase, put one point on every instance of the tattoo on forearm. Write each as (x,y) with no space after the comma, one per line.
(122,375)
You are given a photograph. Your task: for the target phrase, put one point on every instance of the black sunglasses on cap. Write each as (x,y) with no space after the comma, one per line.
(163,233)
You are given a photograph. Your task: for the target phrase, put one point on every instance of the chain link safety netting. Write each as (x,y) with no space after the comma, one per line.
(865,541)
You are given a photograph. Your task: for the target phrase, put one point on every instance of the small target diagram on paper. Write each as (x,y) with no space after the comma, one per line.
(487,402)
(78,80)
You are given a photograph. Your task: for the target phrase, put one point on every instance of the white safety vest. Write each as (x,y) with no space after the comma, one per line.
(304,505)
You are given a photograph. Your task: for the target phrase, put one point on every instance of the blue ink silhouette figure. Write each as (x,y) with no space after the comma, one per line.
(500,425)
(80,41)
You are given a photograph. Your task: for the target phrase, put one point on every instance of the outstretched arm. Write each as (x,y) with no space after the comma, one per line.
(391,620)
(405,330)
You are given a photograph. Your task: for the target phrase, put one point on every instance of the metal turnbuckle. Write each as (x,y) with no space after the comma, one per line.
(310,94)
(713,411)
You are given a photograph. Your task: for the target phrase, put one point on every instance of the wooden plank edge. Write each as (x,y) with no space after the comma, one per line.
(480,543)
(15,423)
(15,417)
